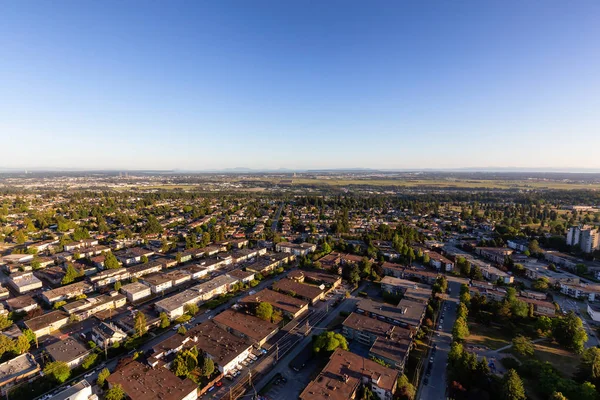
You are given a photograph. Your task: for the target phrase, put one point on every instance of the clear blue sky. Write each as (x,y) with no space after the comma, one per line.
(299,84)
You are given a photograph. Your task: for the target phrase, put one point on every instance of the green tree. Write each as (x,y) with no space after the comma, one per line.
(164,320)
(28,333)
(58,304)
(329,341)
(140,324)
(181,330)
(21,344)
(264,311)
(406,390)
(115,393)
(70,275)
(89,361)
(460,330)
(6,345)
(208,367)
(144,259)
(105,373)
(569,332)
(512,386)
(523,346)
(58,370)
(110,261)
(118,286)
(557,396)
(191,309)
(5,322)
(462,311)
(581,269)
(465,298)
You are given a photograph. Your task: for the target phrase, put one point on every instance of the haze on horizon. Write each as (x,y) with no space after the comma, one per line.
(307,85)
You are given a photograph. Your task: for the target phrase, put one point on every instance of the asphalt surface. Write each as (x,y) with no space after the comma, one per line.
(435,389)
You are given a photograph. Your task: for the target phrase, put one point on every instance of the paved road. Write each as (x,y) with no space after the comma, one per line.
(436,386)
(297,381)
(276,219)
(567,304)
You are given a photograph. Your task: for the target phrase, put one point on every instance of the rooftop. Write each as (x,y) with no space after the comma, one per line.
(66,350)
(246,324)
(144,383)
(277,300)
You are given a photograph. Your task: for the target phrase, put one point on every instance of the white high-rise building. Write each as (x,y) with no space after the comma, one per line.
(586,237)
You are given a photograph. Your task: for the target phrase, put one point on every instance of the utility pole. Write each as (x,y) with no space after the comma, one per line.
(277,352)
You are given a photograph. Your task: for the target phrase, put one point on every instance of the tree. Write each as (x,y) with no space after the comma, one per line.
(181,330)
(460,331)
(164,320)
(523,346)
(28,333)
(105,373)
(58,370)
(581,269)
(406,390)
(534,247)
(115,393)
(569,332)
(512,386)
(5,322)
(541,284)
(110,261)
(208,367)
(6,345)
(462,311)
(58,304)
(89,360)
(329,341)
(264,311)
(191,309)
(557,396)
(70,275)
(21,344)
(118,286)
(140,324)
(144,259)
(465,298)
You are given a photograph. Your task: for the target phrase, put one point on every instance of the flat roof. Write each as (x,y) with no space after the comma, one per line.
(255,328)
(301,289)
(37,323)
(221,345)
(77,287)
(141,382)
(277,300)
(178,300)
(134,287)
(73,390)
(343,374)
(19,366)
(67,350)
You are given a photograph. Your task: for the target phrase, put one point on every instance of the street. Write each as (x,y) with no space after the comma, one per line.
(435,388)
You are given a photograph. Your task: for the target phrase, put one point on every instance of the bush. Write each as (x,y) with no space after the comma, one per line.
(510,363)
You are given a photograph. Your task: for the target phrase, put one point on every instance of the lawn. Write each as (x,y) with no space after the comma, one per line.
(488,336)
(563,360)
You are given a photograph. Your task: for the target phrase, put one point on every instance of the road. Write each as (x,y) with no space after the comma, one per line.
(276,219)
(297,381)
(436,386)
(567,304)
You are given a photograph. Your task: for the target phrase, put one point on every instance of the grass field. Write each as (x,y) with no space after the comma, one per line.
(446,183)
(488,336)
(563,360)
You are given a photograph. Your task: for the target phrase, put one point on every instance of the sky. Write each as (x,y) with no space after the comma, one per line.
(204,85)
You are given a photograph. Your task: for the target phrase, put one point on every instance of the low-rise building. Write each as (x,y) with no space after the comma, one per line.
(106,334)
(386,342)
(133,255)
(47,323)
(140,270)
(580,291)
(109,276)
(18,370)
(23,282)
(316,278)
(288,305)
(67,292)
(218,285)
(594,312)
(140,382)
(439,262)
(495,254)
(69,351)
(226,349)
(243,276)
(136,291)
(346,373)
(300,290)
(157,282)
(407,313)
(22,304)
(174,306)
(82,390)
(177,277)
(247,326)
(86,308)
(301,249)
